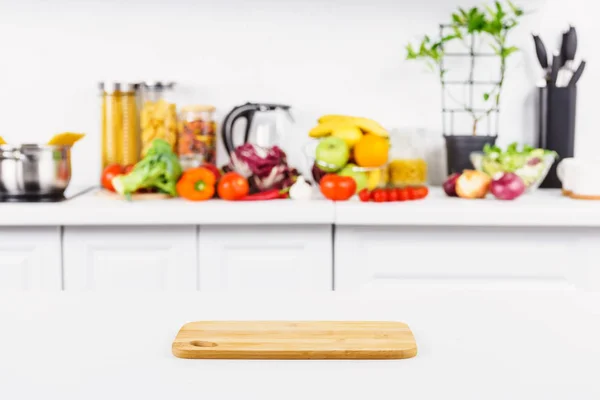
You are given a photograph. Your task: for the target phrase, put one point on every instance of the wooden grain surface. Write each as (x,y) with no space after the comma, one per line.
(134,197)
(295,340)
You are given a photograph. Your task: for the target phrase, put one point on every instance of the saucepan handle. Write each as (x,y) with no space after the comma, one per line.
(15,155)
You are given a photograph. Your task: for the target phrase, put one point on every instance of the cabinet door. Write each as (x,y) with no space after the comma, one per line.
(396,258)
(265,258)
(30,259)
(130,258)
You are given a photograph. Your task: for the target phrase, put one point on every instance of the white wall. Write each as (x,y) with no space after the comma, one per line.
(319,56)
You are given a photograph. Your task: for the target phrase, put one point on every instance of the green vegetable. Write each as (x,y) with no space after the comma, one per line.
(159,169)
(519,161)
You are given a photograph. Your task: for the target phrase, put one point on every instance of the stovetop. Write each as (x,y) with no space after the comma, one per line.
(69,194)
(32,199)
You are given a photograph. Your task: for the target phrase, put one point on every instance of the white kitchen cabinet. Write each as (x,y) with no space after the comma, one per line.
(296,258)
(145,258)
(30,259)
(394,258)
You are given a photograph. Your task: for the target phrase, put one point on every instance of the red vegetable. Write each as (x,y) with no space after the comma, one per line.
(265,168)
(508,187)
(266,195)
(364,195)
(232,186)
(392,195)
(337,188)
(402,194)
(450,185)
(109,173)
(213,168)
(379,195)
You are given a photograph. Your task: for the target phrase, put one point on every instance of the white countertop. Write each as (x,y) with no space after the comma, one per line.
(95,208)
(542,208)
(492,345)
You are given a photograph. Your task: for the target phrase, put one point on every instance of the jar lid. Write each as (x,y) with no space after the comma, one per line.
(116,86)
(198,108)
(158,85)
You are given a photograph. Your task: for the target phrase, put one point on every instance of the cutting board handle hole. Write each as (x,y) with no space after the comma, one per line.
(200,343)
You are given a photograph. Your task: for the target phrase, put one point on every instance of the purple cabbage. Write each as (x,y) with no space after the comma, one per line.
(265,168)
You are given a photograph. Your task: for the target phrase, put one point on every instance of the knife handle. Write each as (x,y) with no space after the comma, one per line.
(577,74)
(555,68)
(540,50)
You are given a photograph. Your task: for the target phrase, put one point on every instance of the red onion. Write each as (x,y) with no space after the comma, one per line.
(450,185)
(508,187)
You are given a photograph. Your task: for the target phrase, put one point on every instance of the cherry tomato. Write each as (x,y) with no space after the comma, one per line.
(379,195)
(127,169)
(420,192)
(392,195)
(232,186)
(411,193)
(402,194)
(364,195)
(108,174)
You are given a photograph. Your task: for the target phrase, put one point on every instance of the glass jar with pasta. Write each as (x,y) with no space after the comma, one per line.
(407,166)
(120,123)
(158,115)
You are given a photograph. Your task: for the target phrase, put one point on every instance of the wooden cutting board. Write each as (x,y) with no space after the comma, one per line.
(134,197)
(295,340)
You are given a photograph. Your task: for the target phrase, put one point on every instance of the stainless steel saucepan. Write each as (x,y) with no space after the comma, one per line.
(34,170)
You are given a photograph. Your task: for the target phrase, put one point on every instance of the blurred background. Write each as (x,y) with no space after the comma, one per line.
(318,56)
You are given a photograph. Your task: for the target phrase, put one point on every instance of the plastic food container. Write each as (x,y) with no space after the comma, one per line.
(197,136)
(407,165)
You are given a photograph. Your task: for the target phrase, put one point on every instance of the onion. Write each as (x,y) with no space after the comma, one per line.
(450,185)
(509,186)
(472,184)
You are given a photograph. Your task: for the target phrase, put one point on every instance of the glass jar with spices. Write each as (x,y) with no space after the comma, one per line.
(120,126)
(197,136)
(407,166)
(158,115)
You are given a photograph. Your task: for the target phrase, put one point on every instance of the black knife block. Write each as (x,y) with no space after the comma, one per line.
(557,108)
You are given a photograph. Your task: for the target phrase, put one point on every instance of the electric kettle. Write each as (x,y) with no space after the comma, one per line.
(265,125)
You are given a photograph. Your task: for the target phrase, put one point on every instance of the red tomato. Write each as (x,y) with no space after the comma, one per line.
(364,195)
(411,193)
(392,195)
(380,195)
(337,188)
(232,186)
(402,194)
(127,169)
(108,174)
(420,192)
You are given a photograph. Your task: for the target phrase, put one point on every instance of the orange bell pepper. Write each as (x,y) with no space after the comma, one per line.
(197,184)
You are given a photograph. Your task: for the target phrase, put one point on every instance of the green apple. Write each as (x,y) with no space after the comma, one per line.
(332,154)
(360,177)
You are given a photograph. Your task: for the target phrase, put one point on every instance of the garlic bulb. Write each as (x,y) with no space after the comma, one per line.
(301,190)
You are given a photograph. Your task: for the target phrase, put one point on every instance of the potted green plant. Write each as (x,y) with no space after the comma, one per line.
(486,26)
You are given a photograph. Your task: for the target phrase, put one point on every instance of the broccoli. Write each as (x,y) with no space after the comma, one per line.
(158,169)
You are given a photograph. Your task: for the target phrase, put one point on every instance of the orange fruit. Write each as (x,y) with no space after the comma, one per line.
(371,151)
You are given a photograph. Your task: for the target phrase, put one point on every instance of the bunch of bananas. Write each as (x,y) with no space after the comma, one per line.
(351,129)
(158,121)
